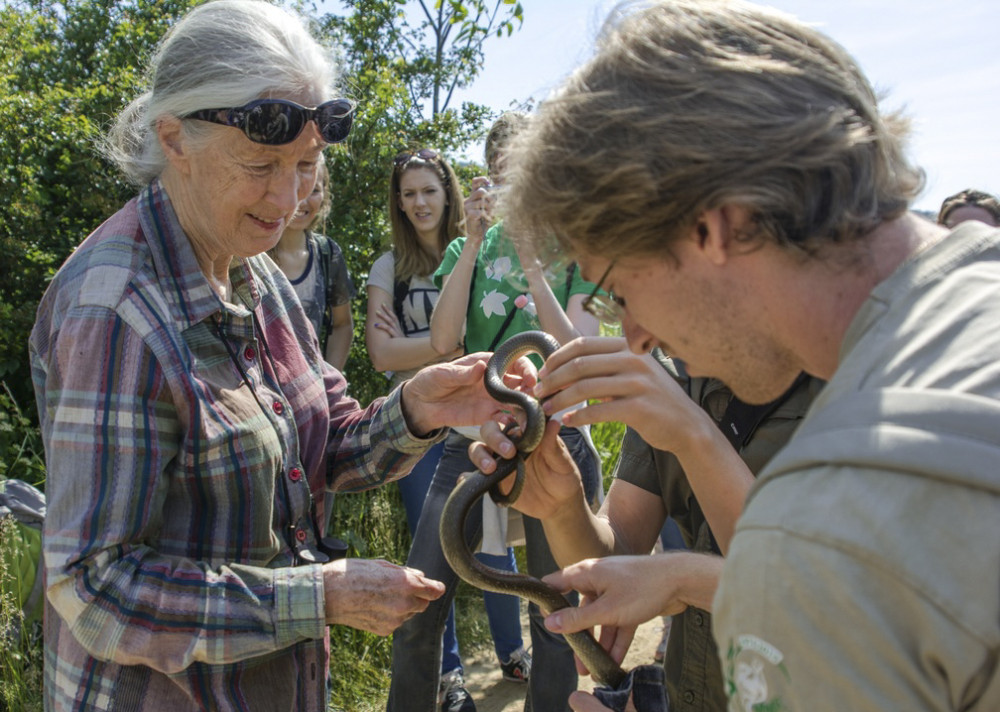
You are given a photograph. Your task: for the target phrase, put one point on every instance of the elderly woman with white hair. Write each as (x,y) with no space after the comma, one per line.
(191,425)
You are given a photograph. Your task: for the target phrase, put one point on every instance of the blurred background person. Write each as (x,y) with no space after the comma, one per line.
(969,204)
(490,292)
(425,206)
(315,266)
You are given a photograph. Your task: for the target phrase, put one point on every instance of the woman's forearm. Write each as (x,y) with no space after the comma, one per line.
(448,318)
(401,353)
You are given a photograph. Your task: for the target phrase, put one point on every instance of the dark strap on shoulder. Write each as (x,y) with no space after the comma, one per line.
(325,251)
(503,329)
(741,420)
(570,271)
(401,287)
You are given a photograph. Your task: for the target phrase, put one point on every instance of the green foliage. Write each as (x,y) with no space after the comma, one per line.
(608,442)
(66,68)
(435,47)
(383,82)
(373,525)
(20,443)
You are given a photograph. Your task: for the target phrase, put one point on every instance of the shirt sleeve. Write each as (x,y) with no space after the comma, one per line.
(382,273)
(806,622)
(636,463)
(451,255)
(372,446)
(112,432)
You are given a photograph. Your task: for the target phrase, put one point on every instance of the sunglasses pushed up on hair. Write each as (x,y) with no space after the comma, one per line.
(424,154)
(276,121)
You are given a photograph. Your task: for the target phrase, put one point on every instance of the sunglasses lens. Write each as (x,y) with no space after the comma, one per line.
(274,123)
(335,119)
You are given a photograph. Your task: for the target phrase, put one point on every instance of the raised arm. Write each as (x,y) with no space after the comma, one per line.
(448,319)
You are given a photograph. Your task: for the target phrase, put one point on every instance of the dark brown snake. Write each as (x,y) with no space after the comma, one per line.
(473,486)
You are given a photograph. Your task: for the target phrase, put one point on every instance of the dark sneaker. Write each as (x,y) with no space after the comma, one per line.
(453,696)
(518,667)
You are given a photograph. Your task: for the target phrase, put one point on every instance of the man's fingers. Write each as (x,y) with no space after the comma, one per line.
(572,620)
(582,346)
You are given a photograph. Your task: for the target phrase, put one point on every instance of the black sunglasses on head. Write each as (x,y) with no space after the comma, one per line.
(276,121)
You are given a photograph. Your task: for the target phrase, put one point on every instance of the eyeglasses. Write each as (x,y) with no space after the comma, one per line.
(609,309)
(424,154)
(275,122)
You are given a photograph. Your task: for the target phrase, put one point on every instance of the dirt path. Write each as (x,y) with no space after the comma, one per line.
(493,694)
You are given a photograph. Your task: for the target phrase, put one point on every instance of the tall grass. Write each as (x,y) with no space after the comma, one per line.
(20,640)
(373,524)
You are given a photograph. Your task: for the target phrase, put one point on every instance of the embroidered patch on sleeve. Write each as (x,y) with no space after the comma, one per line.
(749,662)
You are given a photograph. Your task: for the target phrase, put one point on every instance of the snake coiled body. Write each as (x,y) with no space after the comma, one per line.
(473,486)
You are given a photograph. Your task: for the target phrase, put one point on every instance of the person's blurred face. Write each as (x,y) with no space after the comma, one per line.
(422,199)
(497,168)
(237,196)
(970,212)
(309,207)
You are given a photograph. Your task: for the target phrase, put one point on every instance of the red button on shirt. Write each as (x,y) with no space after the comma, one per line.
(249,353)
(295,475)
(300,534)
(277,407)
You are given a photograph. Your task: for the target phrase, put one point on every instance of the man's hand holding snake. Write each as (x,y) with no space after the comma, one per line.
(551,478)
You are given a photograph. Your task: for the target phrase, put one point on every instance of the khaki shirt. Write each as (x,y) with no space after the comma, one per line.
(694,676)
(865,571)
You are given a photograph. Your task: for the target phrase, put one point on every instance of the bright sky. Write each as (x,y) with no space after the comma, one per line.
(938,61)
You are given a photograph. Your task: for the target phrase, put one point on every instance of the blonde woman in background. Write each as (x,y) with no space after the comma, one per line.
(315,266)
(426,212)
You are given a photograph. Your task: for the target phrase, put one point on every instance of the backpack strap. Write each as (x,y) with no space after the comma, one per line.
(399,291)
(325,254)
(570,271)
(503,329)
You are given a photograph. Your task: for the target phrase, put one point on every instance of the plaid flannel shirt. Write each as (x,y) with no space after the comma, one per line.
(188,442)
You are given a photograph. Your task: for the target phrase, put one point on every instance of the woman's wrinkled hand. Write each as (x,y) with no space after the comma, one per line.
(375,595)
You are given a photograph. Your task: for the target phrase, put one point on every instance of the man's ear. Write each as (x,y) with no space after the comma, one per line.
(168,130)
(716,231)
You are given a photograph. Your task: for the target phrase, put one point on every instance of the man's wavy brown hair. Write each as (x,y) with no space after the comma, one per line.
(688,105)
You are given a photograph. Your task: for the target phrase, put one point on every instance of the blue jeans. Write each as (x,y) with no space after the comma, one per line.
(670,536)
(502,611)
(416,645)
